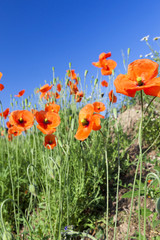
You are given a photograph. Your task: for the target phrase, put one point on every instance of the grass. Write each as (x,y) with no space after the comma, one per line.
(74,190)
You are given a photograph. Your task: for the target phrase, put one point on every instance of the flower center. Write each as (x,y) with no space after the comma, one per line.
(50,142)
(85,122)
(46,120)
(20,120)
(139,81)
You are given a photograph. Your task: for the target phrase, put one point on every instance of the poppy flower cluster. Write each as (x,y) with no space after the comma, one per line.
(106,65)
(46,93)
(19,121)
(48,120)
(89,120)
(73,86)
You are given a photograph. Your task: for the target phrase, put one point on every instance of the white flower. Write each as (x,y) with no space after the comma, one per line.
(149,54)
(156,38)
(145,38)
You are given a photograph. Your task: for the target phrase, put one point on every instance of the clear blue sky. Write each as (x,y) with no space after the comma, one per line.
(36,35)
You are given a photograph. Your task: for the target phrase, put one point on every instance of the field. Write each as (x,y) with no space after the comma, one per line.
(81,161)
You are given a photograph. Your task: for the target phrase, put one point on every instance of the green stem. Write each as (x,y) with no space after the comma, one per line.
(140,176)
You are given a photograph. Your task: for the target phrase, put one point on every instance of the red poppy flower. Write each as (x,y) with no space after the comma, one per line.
(52,107)
(87,122)
(79,96)
(50,141)
(56,95)
(1,86)
(22,118)
(59,87)
(1,74)
(104,83)
(20,93)
(99,107)
(47,120)
(46,131)
(73,88)
(112,97)
(72,75)
(141,76)
(44,89)
(5,113)
(106,65)
(15,130)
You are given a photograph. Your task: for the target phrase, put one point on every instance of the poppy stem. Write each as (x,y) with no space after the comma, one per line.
(140,159)
(149,104)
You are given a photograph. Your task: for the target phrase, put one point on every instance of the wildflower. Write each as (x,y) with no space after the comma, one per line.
(149,181)
(141,76)
(15,130)
(1,86)
(52,107)
(156,38)
(56,95)
(112,97)
(20,93)
(47,120)
(50,141)
(44,89)
(59,87)
(87,122)
(79,96)
(73,88)
(99,107)
(104,83)
(106,65)
(148,54)
(145,38)
(1,74)
(5,113)
(72,75)
(22,118)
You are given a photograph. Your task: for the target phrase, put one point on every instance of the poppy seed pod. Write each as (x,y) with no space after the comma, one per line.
(32,189)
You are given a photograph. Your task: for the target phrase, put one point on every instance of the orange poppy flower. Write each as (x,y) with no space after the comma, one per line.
(22,118)
(15,130)
(45,88)
(79,96)
(52,107)
(112,97)
(106,65)
(50,141)
(99,107)
(5,113)
(47,120)
(104,83)
(46,131)
(56,95)
(59,87)
(73,88)
(1,87)
(87,122)
(141,76)
(72,75)
(20,93)
(1,74)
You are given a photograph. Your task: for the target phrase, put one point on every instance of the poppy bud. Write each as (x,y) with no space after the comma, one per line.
(32,189)
(70,65)
(7,236)
(115,113)
(95,81)
(158,206)
(85,73)
(128,51)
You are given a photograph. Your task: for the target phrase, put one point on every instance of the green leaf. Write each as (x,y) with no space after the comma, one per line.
(129,194)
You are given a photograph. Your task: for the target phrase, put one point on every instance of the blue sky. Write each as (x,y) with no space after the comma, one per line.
(37,35)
